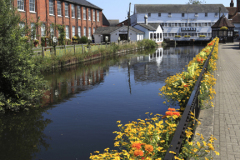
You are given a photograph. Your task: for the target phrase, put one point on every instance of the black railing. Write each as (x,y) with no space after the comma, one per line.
(192,106)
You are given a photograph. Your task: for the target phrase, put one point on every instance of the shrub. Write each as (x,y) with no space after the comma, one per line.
(83,39)
(187,36)
(177,36)
(202,36)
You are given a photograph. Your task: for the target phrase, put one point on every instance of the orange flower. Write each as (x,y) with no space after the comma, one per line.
(176,113)
(138,153)
(171,109)
(169,113)
(136,145)
(149,148)
(198,59)
(185,85)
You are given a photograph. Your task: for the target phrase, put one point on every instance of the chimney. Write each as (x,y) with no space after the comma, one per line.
(238,6)
(231,4)
(146,18)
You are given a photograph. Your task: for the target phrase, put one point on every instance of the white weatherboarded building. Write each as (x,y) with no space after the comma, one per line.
(113,32)
(180,19)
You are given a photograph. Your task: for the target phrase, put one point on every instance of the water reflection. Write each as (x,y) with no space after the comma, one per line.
(22,136)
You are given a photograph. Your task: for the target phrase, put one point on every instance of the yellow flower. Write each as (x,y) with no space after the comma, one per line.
(172,152)
(96,151)
(217,153)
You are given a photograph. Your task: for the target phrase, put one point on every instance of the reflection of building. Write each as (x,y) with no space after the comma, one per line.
(66,85)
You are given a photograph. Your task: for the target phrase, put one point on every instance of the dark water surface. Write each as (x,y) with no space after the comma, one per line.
(85,102)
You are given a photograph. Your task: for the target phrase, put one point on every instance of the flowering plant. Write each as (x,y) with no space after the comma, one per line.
(177,36)
(224,28)
(187,36)
(202,36)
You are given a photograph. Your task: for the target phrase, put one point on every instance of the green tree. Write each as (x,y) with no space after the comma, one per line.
(20,83)
(196,2)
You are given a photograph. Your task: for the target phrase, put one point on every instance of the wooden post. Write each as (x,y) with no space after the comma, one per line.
(42,51)
(74,49)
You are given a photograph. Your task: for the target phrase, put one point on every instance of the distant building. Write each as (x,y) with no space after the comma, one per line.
(234,15)
(180,19)
(113,22)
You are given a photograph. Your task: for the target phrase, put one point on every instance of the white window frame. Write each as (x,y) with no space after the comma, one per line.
(97,15)
(67,32)
(66,9)
(79,31)
(89,14)
(93,10)
(51,7)
(79,12)
(73,31)
(84,13)
(89,32)
(59,8)
(94,30)
(43,28)
(20,5)
(73,10)
(32,5)
(84,31)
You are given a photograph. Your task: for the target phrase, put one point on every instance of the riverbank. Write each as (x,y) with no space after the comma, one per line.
(51,61)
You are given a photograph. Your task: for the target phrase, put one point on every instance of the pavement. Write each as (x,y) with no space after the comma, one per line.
(223,120)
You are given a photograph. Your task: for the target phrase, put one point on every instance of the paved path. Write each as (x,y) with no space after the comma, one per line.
(224,119)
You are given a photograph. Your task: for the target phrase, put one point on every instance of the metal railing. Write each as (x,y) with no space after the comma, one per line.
(192,106)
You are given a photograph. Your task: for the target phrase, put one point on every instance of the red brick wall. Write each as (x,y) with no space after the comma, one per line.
(42,12)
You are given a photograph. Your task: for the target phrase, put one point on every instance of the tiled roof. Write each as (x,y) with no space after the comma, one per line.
(110,29)
(149,26)
(179,8)
(84,3)
(223,21)
(113,22)
(232,11)
(236,18)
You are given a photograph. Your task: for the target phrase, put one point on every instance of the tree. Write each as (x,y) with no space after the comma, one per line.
(20,83)
(196,2)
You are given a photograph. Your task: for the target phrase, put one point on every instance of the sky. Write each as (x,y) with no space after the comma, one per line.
(118,9)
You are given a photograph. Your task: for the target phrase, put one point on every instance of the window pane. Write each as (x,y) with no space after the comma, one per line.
(93,15)
(79,12)
(32,5)
(20,5)
(73,31)
(67,32)
(98,16)
(79,31)
(85,34)
(84,13)
(89,14)
(66,9)
(51,7)
(89,32)
(73,10)
(43,30)
(59,8)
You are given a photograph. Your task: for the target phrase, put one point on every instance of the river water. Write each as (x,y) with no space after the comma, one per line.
(80,111)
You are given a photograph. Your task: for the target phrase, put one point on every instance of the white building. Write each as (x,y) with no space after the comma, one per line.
(114,32)
(152,31)
(180,19)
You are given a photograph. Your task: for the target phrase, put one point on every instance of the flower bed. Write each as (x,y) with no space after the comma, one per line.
(149,139)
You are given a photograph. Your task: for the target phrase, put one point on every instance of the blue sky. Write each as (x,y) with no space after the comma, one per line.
(117,9)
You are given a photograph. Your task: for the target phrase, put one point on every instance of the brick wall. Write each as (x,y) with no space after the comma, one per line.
(42,12)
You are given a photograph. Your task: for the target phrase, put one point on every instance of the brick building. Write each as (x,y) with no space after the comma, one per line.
(80,17)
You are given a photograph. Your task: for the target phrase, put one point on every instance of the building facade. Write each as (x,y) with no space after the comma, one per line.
(79,16)
(181,20)
(234,16)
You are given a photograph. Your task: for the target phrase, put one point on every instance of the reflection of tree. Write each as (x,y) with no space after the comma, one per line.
(21,135)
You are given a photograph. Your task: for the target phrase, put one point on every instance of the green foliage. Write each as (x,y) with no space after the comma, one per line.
(83,39)
(148,44)
(61,38)
(20,83)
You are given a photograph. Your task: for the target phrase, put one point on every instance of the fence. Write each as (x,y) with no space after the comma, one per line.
(192,106)
(73,49)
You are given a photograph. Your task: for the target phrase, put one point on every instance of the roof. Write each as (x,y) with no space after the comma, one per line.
(105,21)
(110,29)
(179,8)
(150,26)
(223,21)
(125,22)
(84,3)
(232,11)
(236,18)
(113,22)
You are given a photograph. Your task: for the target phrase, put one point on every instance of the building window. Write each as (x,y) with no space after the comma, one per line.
(216,14)
(59,8)
(67,32)
(209,24)
(32,5)
(78,12)
(98,16)
(183,15)
(66,9)
(205,24)
(52,30)
(196,14)
(149,14)
(73,10)
(89,14)
(51,7)
(89,32)
(84,13)
(43,30)
(20,5)
(22,25)
(169,14)
(206,14)
(79,31)
(93,30)
(93,14)
(84,31)
(73,31)
(159,15)
(33,30)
